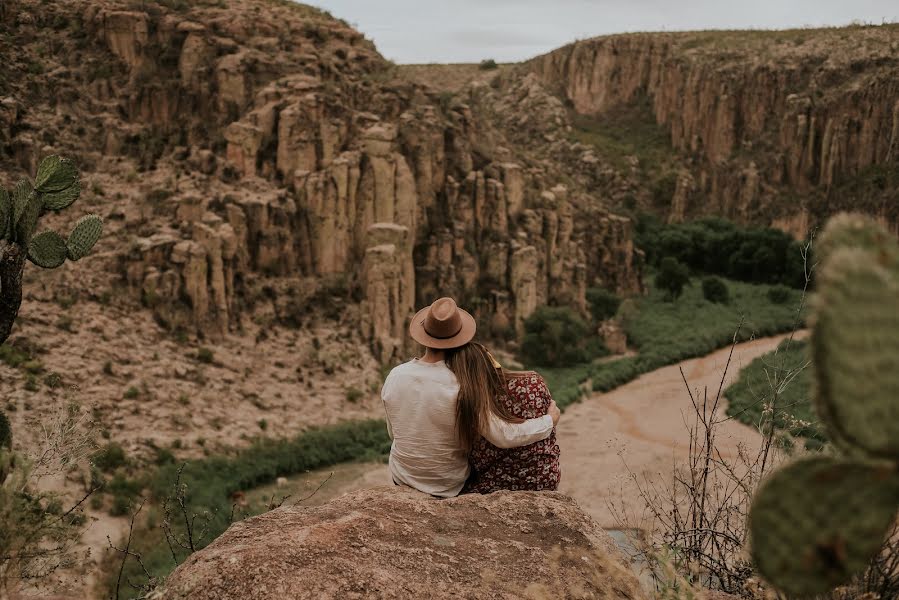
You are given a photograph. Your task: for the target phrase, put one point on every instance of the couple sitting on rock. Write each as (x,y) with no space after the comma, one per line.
(460,422)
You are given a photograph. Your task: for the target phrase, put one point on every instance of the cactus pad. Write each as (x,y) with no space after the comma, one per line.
(63,198)
(5,213)
(855,231)
(55,174)
(83,237)
(855,350)
(47,249)
(20,196)
(28,221)
(819,521)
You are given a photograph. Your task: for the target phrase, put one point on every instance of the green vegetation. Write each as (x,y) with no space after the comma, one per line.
(211,482)
(13,355)
(751,393)
(664,333)
(110,457)
(556,336)
(670,332)
(488,65)
(603,303)
(719,247)
(631,130)
(715,290)
(627,130)
(205,355)
(779,294)
(842,506)
(672,277)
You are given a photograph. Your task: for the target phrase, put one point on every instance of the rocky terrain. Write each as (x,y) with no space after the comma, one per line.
(275,190)
(279,198)
(437,548)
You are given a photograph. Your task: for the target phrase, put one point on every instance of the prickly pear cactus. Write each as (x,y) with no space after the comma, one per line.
(56,186)
(820,521)
(83,237)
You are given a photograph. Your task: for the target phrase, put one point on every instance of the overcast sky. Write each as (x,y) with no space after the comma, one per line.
(423,31)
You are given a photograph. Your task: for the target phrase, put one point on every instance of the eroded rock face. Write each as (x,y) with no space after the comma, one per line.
(397,543)
(768,120)
(271,147)
(337,176)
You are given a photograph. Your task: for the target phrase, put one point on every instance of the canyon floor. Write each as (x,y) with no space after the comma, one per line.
(638,429)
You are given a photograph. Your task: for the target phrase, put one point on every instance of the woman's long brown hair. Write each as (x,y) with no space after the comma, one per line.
(481,389)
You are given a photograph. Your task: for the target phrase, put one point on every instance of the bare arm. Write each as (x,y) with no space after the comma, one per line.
(504,434)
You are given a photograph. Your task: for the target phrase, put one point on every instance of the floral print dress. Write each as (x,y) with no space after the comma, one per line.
(534,467)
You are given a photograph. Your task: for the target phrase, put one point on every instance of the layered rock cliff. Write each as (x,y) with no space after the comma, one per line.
(273,142)
(770,127)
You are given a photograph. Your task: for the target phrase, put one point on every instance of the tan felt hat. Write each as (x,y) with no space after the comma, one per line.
(442,325)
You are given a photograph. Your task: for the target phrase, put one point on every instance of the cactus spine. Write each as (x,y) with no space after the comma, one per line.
(820,521)
(56,186)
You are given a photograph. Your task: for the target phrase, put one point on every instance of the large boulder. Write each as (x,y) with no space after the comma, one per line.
(398,543)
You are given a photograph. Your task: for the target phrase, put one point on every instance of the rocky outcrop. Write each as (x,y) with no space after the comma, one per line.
(768,119)
(328,167)
(276,150)
(397,543)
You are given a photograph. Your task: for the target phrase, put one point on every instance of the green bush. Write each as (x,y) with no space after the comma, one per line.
(609,376)
(488,65)
(603,303)
(720,247)
(110,457)
(779,294)
(123,490)
(14,356)
(205,355)
(555,336)
(164,456)
(672,277)
(715,290)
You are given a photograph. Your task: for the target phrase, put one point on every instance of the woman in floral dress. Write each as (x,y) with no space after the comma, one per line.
(514,397)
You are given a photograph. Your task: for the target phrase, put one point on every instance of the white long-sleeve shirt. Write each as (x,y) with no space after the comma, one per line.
(420,400)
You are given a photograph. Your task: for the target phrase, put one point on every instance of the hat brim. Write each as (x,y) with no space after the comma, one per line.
(465,335)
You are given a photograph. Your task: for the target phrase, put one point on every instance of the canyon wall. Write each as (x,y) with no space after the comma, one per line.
(292,152)
(772,126)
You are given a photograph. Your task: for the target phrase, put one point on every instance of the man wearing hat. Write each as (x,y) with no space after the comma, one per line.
(420,398)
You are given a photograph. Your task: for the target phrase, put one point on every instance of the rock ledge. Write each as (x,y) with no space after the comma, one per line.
(397,543)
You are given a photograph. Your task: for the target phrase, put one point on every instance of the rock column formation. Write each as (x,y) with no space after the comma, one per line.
(278,153)
(766,120)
